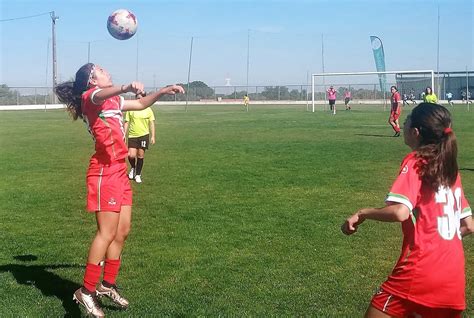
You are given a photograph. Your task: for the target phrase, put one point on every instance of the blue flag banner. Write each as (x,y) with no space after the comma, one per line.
(379,56)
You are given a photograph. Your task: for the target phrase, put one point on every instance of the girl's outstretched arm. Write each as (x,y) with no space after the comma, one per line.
(148,100)
(393,212)
(107,92)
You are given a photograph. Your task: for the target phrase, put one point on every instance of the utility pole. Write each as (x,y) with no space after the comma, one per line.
(438,91)
(55,69)
(248,60)
(189,73)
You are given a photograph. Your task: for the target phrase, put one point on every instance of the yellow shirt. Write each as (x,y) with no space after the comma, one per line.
(139,122)
(246,100)
(430,98)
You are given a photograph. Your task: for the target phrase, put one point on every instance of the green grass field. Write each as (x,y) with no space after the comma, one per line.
(239,213)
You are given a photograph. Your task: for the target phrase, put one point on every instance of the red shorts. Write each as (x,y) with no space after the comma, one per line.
(108,188)
(394,115)
(398,307)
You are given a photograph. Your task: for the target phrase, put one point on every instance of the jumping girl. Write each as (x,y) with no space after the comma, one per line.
(93,97)
(428,199)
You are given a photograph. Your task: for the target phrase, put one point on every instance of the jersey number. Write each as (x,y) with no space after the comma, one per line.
(450,223)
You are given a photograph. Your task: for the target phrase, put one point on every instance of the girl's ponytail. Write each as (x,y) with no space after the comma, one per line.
(66,95)
(70,93)
(438,150)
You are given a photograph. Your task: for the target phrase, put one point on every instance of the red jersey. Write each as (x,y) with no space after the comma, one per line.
(395,99)
(105,124)
(430,270)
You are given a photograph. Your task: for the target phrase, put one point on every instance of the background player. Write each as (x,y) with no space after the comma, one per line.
(430,96)
(246,101)
(428,199)
(331,92)
(395,111)
(412,97)
(347,99)
(93,97)
(140,129)
(449,96)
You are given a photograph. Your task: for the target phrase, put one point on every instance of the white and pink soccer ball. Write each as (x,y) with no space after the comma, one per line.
(122,24)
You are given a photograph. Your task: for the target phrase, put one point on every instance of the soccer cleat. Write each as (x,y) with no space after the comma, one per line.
(138,178)
(90,302)
(113,294)
(397,134)
(131,174)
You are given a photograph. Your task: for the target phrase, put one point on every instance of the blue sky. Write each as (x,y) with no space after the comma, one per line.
(285,39)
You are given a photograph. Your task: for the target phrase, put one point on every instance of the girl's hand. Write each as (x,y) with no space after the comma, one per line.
(134,87)
(350,225)
(172,90)
(152,140)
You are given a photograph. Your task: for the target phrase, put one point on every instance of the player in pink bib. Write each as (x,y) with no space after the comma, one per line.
(93,97)
(332,93)
(428,199)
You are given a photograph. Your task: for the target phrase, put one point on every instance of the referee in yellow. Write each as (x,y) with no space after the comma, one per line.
(140,126)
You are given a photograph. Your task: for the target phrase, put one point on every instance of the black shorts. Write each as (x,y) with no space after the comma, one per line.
(347,100)
(332,102)
(139,142)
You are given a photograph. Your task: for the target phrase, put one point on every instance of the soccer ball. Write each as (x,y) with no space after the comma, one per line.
(122,24)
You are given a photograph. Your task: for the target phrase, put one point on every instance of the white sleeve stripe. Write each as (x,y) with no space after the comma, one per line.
(121,102)
(400,200)
(93,94)
(466,213)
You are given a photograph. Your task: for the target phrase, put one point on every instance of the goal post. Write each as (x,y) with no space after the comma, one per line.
(425,77)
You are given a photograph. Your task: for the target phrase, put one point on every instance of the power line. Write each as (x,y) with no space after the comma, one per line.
(28,17)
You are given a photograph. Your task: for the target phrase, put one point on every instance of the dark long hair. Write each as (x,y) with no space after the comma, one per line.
(438,150)
(70,92)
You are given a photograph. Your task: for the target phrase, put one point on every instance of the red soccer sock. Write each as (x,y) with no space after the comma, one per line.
(92,276)
(111,270)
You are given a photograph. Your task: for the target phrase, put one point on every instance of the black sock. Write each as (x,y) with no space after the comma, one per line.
(87,291)
(132,162)
(107,284)
(139,165)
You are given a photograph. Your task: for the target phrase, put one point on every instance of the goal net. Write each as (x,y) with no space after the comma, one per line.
(368,88)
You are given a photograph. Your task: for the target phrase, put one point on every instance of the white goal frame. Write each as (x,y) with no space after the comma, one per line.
(366,73)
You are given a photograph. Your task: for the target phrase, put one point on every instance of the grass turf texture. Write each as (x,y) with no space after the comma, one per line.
(238,214)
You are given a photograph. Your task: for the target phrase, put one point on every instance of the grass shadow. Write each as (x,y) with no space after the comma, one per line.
(466,169)
(49,283)
(371,135)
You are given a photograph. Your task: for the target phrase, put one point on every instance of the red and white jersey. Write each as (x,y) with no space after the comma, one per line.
(395,99)
(430,270)
(105,124)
